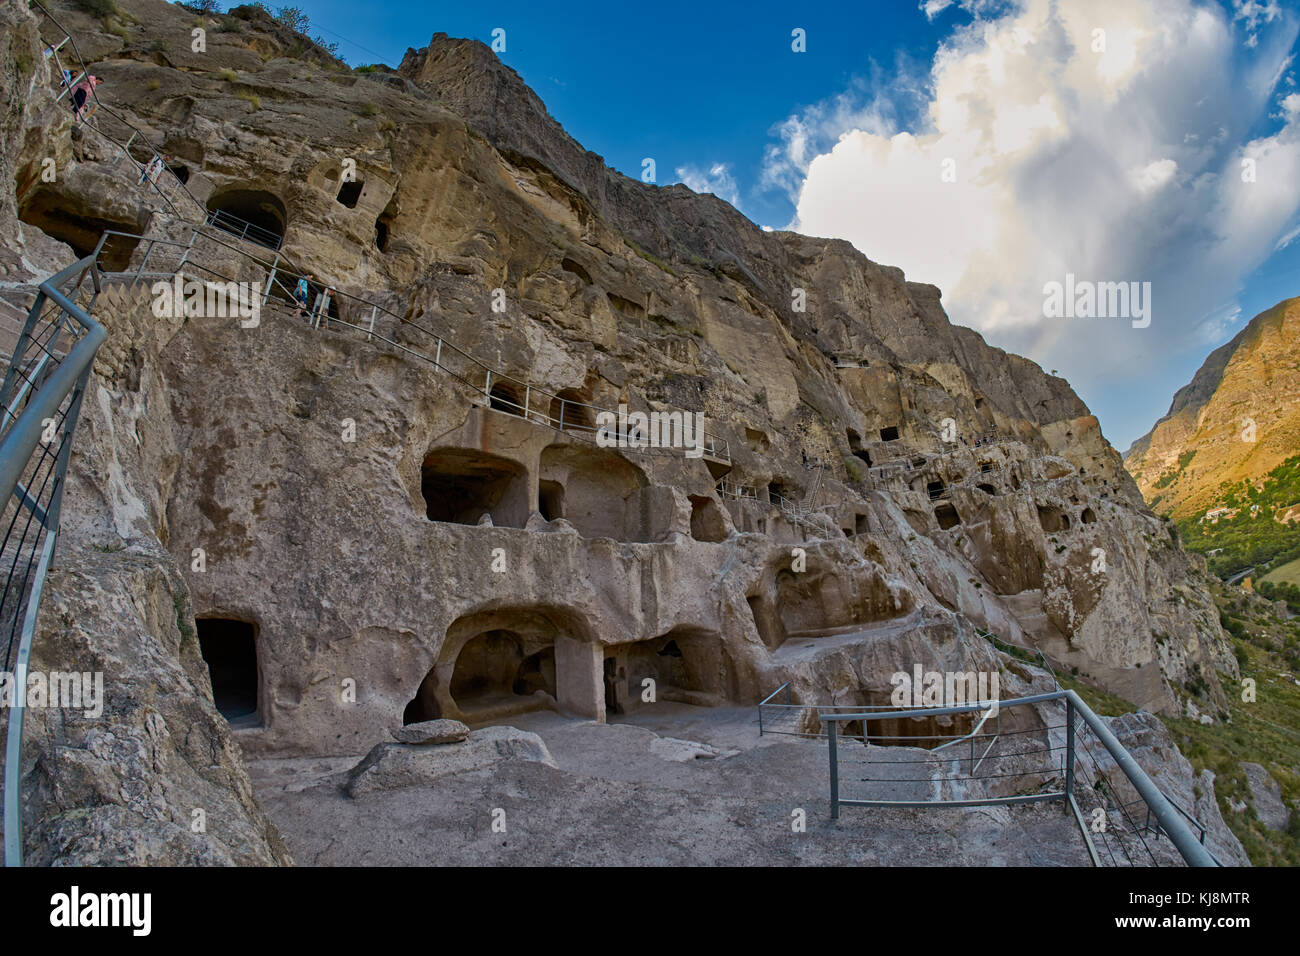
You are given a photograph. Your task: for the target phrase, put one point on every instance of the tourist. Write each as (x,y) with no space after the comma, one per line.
(301,293)
(151,170)
(81,94)
(324,312)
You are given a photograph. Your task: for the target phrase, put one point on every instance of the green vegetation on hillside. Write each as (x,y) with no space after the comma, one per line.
(1249,538)
(1265,731)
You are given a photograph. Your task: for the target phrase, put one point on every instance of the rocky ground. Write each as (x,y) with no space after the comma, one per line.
(631,793)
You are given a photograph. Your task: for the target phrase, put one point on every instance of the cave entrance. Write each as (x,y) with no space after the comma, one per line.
(855,446)
(350,192)
(889,433)
(52,215)
(947,516)
(506,398)
(1053,519)
(707,523)
(688,665)
(229,647)
(424,705)
(603,492)
(461,485)
(569,411)
(494,674)
(384,225)
(252,214)
(550,499)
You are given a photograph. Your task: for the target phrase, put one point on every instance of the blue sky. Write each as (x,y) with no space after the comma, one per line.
(1114,160)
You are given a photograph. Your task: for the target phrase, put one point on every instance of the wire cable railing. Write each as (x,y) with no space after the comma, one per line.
(1050,773)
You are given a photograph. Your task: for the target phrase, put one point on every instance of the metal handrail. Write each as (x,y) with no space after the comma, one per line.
(48,383)
(1168,815)
(98,106)
(573,416)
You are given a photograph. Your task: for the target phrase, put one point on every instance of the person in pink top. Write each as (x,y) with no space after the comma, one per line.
(81,95)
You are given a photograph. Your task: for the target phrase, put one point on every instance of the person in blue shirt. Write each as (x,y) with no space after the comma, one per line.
(301,293)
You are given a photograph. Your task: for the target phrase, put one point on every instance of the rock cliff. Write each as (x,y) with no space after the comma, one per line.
(1237,418)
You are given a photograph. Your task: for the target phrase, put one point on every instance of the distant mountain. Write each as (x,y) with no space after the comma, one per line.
(1234,423)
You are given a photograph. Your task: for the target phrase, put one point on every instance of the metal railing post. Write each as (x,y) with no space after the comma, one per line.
(185,257)
(1069,751)
(835,770)
(270,279)
(487,385)
(437,357)
(563,402)
(147,250)
(374,311)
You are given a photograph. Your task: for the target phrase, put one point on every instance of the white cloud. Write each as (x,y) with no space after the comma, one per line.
(1122,162)
(717,179)
(932,8)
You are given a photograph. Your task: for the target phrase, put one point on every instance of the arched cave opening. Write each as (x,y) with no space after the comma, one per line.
(985,487)
(229,647)
(573,268)
(688,665)
(1088,516)
(493,671)
(935,489)
(889,433)
(252,214)
(461,485)
(180,171)
(778,490)
(506,398)
(59,219)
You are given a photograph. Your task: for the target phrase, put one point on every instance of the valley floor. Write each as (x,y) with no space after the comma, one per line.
(630,793)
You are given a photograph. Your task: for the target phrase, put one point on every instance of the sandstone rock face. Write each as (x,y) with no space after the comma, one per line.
(432,732)
(1237,419)
(395,766)
(398,545)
